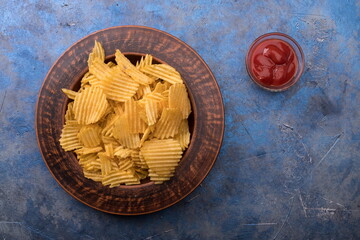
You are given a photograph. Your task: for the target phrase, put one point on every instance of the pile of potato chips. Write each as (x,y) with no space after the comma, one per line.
(127,122)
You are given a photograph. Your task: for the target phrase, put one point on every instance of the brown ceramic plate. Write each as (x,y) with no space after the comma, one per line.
(206,122)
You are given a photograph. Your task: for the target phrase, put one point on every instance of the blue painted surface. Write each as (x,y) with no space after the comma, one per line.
(290,163)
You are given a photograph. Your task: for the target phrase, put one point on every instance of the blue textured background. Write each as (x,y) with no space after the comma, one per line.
(289,167)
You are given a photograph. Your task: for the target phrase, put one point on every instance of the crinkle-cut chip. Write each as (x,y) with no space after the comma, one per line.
(144,61)
(109,125)
(146,135)
(160,87)
(155,96)
(93,176)
(122,133)
(131,70)
(97,52)
(69,115)
(68,138)
(118,107)
(138,76)
(163,71)
(105,161)
(85,150)
(112,140)
(122,152)
(109,149)
(163,104)
(111,64)
(117,177)
(85,79)
(114,164)
(87,158)
(168,174)
(93,165)
(119,87)
(161,156)
(141,110)
(89,79)
(94,81)
(141,173)
(166,93)
(125,164)
(90,105)
(142,91)
(69,93)
(168,124)
(152,111)
(89,135)
(135,123)
(116,85)
(178,98)
(183,136)
(135,157)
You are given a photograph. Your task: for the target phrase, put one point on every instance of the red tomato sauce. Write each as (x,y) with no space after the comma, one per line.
(273,63)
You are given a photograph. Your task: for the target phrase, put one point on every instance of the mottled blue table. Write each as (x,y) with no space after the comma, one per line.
(289,167)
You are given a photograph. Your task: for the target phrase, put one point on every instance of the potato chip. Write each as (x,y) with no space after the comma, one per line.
(135,123)
(121,132)
(97,52)
(116,85)
(89,135)
(69,115)
(69,140)
(122,152)
(112,140)
(141,173)
(92,166)
(93,176)
(168,124)
(146,135)
(152,111)
(90,105)
(105,163)
(85,150)
(142,91)
(69,93)
(178,98)
(145,61)
(87,158)
(109,150)
(183,136)
(109,125)
(117,177)
(111,64)
(161,154)
(118,107)
(125,164)
(164,72)
(131,70)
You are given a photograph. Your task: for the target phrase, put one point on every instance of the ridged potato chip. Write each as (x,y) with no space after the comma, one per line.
(69,137)
(90,105)
(183,136)
(121,132)
(131,70)
(97,52)
(89,135)
(168,124)
(178,98)
(163,71)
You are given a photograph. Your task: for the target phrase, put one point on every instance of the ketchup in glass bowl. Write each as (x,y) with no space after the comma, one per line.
(275,61)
